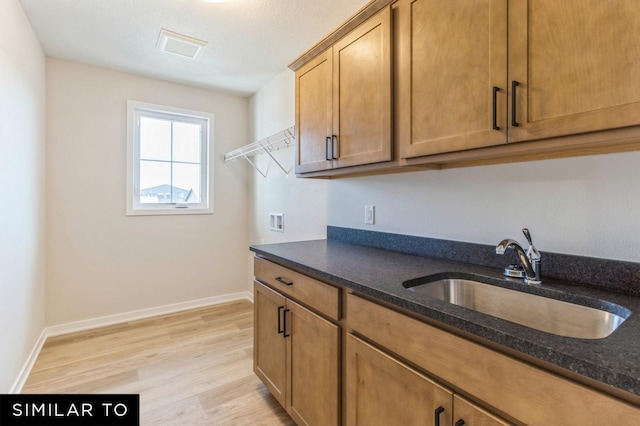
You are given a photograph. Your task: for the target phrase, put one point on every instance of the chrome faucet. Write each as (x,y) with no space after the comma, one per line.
(530,259)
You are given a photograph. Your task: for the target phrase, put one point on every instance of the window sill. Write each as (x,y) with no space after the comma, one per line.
(168,211)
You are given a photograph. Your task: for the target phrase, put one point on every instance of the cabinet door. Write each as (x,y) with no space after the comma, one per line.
(576,64)
(313,344)
(362,93)
(382,391)
(472,415)
(451,55)
(269,346)
(314,114)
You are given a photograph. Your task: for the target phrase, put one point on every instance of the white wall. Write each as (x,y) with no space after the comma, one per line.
(303,201)
(22,207)
(587,206)
(101,262)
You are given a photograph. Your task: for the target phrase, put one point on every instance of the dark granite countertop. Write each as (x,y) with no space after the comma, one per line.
(379,273)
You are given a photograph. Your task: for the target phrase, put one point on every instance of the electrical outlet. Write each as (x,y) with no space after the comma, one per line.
(369,215)
(276,222)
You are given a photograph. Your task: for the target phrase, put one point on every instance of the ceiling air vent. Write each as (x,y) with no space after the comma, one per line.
(178,44)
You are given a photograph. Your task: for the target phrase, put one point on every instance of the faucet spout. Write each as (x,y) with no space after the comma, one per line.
(532,276)
(507,243)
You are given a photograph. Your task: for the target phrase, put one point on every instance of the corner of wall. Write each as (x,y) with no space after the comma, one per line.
(22,159)
(302,201)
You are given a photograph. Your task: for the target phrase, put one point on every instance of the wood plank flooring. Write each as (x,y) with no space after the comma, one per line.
(190,368)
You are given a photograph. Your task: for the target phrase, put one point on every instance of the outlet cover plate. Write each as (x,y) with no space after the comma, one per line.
(276,222)
(369,215)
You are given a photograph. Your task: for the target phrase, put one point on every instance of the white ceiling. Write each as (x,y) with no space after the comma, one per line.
(250,41)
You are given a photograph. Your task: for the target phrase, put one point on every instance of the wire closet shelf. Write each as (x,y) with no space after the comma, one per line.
(280,140)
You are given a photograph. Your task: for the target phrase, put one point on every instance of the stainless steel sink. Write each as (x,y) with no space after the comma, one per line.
(531,310)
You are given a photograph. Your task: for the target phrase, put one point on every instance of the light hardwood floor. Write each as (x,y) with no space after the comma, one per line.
(190,368)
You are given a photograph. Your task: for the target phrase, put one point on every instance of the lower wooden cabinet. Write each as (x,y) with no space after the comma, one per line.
(521,391)
(381,390)
(296,355)
(466,413)
(331,360)
(269,346)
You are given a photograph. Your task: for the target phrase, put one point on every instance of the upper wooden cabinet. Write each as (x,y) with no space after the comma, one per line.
(451,54)
(343,100)
(576,64)
(314,114)
(570,71)
(469,79)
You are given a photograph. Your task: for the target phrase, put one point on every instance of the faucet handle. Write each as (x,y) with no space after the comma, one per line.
(532,251)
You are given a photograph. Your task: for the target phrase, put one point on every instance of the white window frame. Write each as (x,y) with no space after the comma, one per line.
(136,109)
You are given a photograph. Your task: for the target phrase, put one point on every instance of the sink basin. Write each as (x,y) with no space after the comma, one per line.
(531,310)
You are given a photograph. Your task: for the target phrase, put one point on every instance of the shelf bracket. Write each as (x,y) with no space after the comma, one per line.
(264,175)
(280,140)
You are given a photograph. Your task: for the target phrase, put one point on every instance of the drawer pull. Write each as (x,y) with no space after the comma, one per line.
(437,413)
(284,334)
(280,329)
(327,140)
(495,108)
(514,122)
(460,423)
(283,281)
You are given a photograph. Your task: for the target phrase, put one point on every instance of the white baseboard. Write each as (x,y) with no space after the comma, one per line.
(249,296)
(28,365)
(72,327)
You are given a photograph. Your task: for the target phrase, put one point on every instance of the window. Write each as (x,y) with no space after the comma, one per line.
(168,153)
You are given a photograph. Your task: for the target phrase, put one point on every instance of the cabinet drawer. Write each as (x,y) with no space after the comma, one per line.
(322,297)
(523,391)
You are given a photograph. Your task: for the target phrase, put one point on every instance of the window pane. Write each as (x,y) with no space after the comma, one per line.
(186,142)
(155,139)
(186,181)
(169,152)
(155,182)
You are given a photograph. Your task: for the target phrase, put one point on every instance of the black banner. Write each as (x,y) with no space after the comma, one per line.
(70,410)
